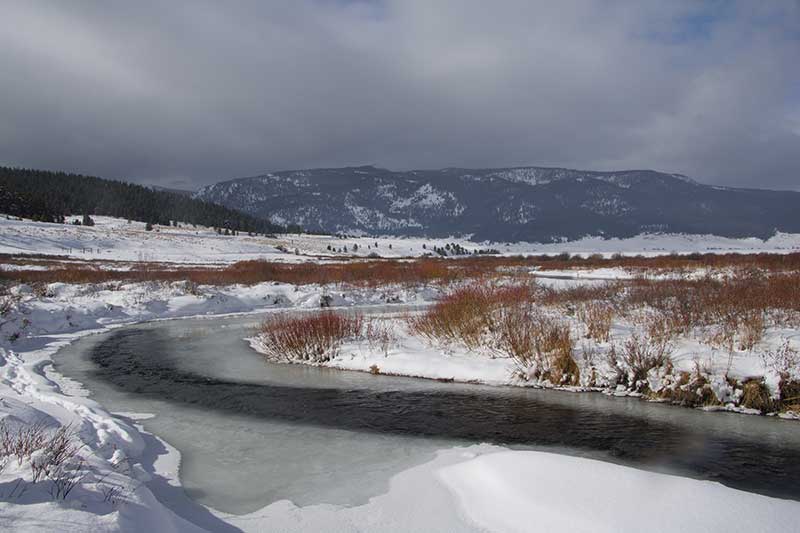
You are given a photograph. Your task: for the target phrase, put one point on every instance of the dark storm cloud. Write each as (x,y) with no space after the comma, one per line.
(187,93)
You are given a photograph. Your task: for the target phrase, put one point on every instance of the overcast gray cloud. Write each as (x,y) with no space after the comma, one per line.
(187,93)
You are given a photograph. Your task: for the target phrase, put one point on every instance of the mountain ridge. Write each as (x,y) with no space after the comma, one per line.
(542,204)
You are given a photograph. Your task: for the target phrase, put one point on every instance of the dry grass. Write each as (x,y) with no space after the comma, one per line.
(734,311)
(691,390)
(313,338)
(790,395)
(676,262)
(598,317)
(756,395)
(375,272)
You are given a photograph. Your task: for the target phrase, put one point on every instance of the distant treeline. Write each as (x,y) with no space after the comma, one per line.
(51,196)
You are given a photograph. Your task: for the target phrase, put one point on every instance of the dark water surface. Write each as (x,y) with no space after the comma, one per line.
(330,429)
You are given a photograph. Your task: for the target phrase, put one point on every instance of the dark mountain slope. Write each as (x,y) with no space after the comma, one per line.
(508,204)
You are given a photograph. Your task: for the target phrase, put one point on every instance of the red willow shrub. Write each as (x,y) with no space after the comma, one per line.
(314,337)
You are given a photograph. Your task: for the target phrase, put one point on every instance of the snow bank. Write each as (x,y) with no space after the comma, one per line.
(521,491)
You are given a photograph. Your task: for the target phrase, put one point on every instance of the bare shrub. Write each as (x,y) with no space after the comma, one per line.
(606,292)
(380,335)
(461,316)
(783,360)
(467,315)
(312,338)
(7,302)
(640,354)
(540,346)
(597,317)
(52,456)
(22,442)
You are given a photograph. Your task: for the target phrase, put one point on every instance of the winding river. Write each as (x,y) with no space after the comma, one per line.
(251,432)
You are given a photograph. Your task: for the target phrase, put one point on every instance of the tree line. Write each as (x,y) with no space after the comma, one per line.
(51,196)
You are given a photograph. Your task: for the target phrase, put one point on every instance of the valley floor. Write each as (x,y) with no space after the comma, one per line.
(114,240)
(118,481)
(449,493)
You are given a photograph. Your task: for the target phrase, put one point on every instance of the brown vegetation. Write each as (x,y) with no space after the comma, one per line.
(640,354)
(375,272)
(465,315)
(598,317)
(314,337)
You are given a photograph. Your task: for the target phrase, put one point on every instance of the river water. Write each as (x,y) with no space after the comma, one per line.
(252,432)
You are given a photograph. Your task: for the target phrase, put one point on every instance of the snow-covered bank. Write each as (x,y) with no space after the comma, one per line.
(693,369)
(549,492)
(489,488)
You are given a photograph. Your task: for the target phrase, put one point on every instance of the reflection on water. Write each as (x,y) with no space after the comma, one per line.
(251,432)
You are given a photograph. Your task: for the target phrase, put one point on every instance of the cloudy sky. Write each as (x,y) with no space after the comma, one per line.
(184,93)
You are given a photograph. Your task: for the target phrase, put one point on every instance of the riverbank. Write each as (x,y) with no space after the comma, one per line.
(723,341)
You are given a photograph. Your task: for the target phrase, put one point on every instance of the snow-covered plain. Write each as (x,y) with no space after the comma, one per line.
(463,489)
(113,239)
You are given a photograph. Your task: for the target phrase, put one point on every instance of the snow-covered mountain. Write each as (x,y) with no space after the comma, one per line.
(506,204)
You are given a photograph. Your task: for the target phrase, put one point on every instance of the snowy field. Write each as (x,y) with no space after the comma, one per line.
(119,485)
(113,239)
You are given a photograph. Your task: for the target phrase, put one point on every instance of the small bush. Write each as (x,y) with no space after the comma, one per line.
(540,346)
(640,354)
(52,455)
(467,315)
(380,335)
(22,442)
(312,338)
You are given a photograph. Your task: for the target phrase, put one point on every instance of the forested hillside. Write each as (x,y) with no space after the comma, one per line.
(50,196)
(532,204)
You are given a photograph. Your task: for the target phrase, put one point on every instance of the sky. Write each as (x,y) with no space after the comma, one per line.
(190,92)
